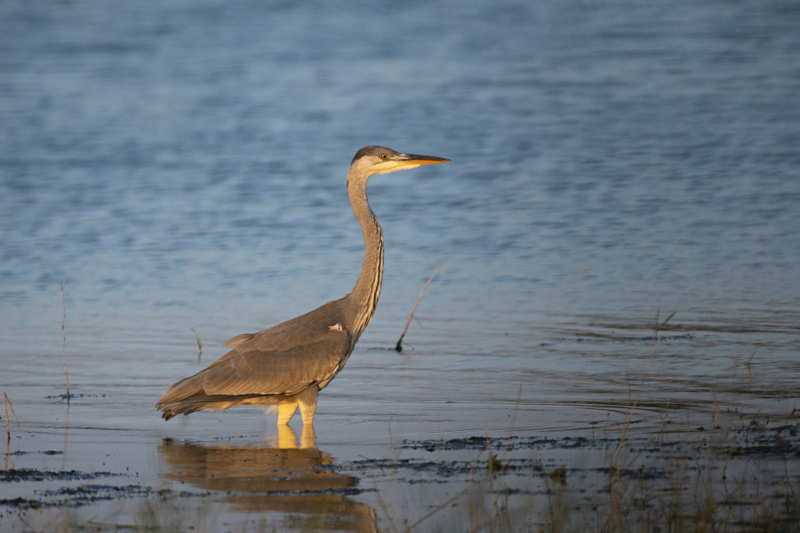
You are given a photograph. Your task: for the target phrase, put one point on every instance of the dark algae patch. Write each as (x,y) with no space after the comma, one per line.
(45,452)
(754,441)
(28,474)
(439,469)
(511,444)
(87,493)
(70,497)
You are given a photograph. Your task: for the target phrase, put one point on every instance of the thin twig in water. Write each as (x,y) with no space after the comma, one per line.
(658,326)
(64,333)
(199,345)
(7,404)
(399,346)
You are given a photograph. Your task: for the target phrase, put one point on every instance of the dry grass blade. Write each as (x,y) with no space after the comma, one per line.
(199,345)
(439,508)
(513,419)
(399,346)
(633,408)
(745,364)
(661,325)
(7,404)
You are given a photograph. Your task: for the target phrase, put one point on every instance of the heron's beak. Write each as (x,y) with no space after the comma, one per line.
(406,161)
(413,159)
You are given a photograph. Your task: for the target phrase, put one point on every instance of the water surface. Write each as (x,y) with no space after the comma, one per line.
(183,165)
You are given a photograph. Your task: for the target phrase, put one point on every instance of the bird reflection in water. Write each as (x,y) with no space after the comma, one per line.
(286,479)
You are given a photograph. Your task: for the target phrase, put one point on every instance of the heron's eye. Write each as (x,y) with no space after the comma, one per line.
(383,156)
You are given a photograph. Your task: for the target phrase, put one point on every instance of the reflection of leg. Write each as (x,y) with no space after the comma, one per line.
(308,404)
(287,438)
(286,412)
(309,438)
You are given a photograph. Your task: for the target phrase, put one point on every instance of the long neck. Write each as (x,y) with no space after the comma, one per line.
(364,297)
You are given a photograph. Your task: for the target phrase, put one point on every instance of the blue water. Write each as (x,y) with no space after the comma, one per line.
(182,164)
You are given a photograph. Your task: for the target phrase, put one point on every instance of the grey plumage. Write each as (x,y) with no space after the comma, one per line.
(286,365)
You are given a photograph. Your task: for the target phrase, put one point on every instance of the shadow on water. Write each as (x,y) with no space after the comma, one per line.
(296,482)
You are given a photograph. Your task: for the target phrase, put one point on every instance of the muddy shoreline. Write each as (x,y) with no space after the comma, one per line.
(520,469)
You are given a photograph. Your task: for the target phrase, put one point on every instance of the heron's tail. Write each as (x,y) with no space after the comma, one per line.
(187,396)
(215,403)
(183,398)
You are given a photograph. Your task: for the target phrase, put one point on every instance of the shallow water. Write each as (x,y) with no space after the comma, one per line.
(182,165)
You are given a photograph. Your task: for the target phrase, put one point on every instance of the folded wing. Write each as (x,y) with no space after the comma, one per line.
(283,360)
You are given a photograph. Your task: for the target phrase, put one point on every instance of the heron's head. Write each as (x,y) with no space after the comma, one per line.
(379,160)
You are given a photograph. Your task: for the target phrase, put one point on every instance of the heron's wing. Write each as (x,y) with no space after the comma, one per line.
(238,339)
(279,371)
(298,331)
(284,359)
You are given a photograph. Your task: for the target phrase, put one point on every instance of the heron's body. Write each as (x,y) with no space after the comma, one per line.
(288,364)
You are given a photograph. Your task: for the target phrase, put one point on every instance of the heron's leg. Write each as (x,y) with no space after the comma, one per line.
(308,404)
(286,412)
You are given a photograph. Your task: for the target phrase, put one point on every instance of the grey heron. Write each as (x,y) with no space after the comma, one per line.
(288,364)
